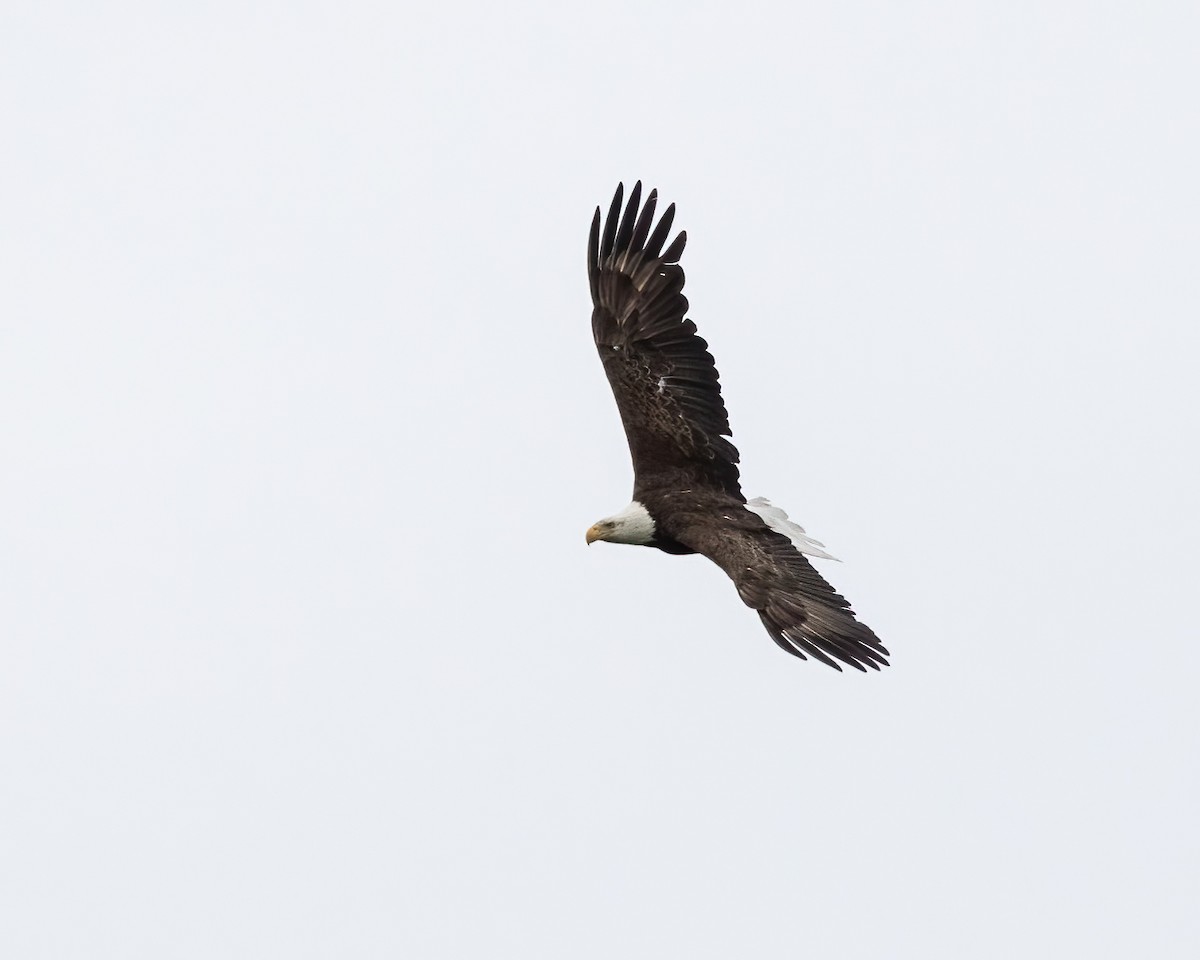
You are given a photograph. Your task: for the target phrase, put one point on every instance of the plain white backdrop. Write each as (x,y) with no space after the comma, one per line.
(302,652)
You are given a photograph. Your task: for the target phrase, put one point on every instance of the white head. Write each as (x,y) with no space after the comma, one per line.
(632,525)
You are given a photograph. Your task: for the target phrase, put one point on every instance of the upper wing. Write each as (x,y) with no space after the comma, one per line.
(661,372)
(801,611)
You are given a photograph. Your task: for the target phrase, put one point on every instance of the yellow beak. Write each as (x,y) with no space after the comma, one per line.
(593,534)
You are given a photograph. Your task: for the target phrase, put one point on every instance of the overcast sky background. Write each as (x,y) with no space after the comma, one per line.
(303,653)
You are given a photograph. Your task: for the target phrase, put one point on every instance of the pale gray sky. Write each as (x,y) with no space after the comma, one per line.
(303,652)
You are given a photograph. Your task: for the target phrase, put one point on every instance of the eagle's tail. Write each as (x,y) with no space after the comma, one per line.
(778,521)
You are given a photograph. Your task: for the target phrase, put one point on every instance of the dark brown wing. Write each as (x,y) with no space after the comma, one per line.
(802,613)
(662,375)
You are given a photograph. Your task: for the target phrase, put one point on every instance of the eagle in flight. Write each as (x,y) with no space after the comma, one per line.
(686,493)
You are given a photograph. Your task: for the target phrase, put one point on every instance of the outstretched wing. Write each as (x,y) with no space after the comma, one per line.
(801,611)
(662,375)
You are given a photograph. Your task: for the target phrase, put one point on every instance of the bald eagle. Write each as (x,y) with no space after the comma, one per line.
(687,497)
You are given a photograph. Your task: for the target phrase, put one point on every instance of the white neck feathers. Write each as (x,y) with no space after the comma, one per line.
(632,525)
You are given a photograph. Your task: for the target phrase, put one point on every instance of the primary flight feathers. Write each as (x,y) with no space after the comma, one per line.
(686,493)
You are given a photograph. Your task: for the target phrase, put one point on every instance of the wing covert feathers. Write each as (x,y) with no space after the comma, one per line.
(803,614)
(661,373)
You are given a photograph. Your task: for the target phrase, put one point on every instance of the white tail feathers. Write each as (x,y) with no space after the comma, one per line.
(778,521)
